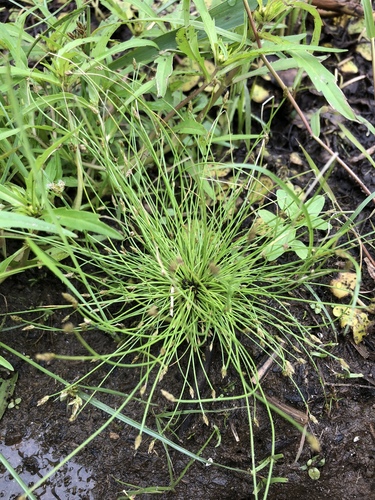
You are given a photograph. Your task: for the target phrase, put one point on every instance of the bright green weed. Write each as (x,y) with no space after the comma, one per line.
(110,154)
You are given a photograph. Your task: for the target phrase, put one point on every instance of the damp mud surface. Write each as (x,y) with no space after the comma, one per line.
(34,439)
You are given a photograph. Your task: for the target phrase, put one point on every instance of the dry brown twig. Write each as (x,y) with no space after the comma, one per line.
(297,415)
(350,7)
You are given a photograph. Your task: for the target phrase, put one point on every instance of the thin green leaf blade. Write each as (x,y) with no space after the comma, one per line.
(81,221)
(11,220)
(369,19)
(209,25)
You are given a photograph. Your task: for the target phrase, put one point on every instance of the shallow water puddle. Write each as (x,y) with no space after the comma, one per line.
(31,462)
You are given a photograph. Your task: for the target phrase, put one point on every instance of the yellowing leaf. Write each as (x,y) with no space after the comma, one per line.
(356,319)
(365,50)
(259,189)
(349,67)
(137,442)
(187,74)
(259,94)
(259,228)
(168,395)
(216,171)
(210,68)
(343,284)
(295,159)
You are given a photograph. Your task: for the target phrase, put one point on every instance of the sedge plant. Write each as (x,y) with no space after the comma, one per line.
(192,280)
(180,275)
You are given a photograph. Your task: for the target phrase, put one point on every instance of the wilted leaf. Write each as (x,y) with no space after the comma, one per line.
(259,189)
(356,319)
(168,395)
(364,49)
(138,441)
(259,94)
(349,67)
(370,267)
(343,284)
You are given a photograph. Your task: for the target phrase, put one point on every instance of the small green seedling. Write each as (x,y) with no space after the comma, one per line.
(5,364)
(312,466)
(282,227)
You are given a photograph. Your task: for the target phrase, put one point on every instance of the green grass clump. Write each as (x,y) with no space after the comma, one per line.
(191,277)
(113,155)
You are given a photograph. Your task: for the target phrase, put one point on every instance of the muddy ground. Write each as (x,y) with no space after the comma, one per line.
(35,438)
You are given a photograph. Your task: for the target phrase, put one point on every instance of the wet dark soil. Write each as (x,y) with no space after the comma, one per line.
(35,438)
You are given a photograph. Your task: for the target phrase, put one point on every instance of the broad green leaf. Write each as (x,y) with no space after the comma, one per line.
(32,74)
(15,197)
(315,122)
(321,224)
(6,263)
(40,161)
(11,220)
(99,55)
(190,126)
(318,23)
(269,218)
(226,16)
(369,125)
(299,248)
(81,221)
(121,47)
(287,204)
(11,42)
(275,249)
(273,253)
(121,12)
(324,82)
(164,69)
(357,144)
(142,90)
(73,44)
(5,364)
(315,205)
(105,32)
(4,133)
(187,42)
